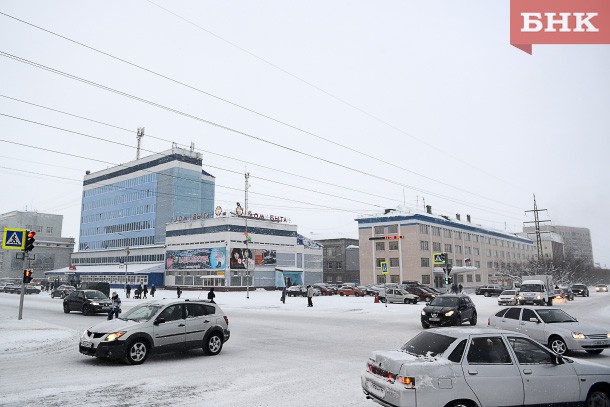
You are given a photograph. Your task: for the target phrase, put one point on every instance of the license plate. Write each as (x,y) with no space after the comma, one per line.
(376,390)
(600,343)
(86,344)
(435,319)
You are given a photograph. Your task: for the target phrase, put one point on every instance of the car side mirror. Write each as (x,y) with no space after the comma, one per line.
(536,320)
(427,303)
(159,321)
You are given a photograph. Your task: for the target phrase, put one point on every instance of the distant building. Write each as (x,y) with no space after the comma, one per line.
(341,260)
(576,240)
(214,253)
(406,242)
(50,249)
(552,245)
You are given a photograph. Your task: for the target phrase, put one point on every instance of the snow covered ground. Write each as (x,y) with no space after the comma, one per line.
(278,354)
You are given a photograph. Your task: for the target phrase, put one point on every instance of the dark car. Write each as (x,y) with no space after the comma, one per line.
(580,289)
(62,291)
(31,289)
(423,295)
(87,301)
(12,288)
(449,309)
(431,289)
(566,293)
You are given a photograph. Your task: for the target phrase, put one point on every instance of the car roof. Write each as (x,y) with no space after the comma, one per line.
(452,295)
(461,332)
(171,301)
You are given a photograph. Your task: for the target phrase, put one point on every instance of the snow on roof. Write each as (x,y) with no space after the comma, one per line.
(353,246)
(112,268)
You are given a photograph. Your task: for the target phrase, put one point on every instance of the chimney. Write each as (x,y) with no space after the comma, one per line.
(87,172)
(457,216)
(468,218)
(429,209)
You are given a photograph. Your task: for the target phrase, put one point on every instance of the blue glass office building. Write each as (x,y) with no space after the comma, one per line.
(129,205)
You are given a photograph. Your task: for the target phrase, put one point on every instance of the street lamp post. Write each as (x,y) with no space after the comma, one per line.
(126,259)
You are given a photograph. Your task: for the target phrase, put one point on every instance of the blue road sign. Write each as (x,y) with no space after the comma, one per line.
(14,239)
(384,267)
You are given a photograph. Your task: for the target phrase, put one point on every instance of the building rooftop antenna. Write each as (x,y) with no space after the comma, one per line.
(139,136)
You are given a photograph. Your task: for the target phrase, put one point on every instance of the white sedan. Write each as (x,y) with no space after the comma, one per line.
(553,327)
(472,367)
(397,295)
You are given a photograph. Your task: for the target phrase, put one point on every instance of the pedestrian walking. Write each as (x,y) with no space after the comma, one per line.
(115,308)
(152,291)
(211,295)
(128,291)
(460,287)
(309,296)
(284,292)
(178,291)
(145,292)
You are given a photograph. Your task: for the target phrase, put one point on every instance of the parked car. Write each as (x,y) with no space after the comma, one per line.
(601,288)
(296,291)
(12,288)
(483,367)
(156,327)
(580,289)
(508,297)
(96,285)
(553,327)
(431,289)
(396,295)
(31,289)
(423,295)
(62,291)
(348,290)
(324,290)
(489,290)
(87,301)
(449,309)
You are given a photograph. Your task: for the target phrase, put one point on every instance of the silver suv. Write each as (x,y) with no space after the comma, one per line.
(158,326)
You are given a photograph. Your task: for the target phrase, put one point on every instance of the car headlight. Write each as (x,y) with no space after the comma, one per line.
(518,297)
(85,333)
(424,313)
(578,335)
(448,314)
(114,336)
(95,303)
(538,297)
(608,336)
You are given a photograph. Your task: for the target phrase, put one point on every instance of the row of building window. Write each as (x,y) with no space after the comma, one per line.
(106,244)
(337,265)
(120,213)
(457,235)
(117,186)
(124,227)
(119,259)
(117,200)
(116,279)
(39,229)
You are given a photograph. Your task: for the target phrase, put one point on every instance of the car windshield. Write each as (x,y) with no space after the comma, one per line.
(508,292)
(578,286)
(551,316)
(428,343)
(531,287)
(601,285)
(445,301)
(95,295)
(142,312)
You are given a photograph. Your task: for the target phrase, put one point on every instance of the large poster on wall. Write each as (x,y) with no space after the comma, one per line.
(240,258)
(196,259)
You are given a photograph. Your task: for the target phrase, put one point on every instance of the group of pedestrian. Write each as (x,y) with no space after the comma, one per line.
(455,289)
(309,295)
(141,291)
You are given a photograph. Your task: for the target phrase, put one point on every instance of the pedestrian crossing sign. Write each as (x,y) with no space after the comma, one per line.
(14,239)
(439,259)
(384,267)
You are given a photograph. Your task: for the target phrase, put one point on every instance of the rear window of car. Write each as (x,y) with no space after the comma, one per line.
(428,343)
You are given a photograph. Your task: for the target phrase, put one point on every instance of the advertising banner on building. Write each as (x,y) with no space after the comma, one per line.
(252,258)
(196,259)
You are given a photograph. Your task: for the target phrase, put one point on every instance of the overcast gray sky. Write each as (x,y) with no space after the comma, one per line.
(465,121)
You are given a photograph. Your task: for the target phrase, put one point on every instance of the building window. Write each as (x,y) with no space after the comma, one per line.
(339,279)
(458,262)
(423,229)
(39,229)
(330,264)
(49,229)
(423,244)
(436,231)
(476,239)
(329,279)
(425,278)
(379,230)
(393,245)
(394,262)
(458,249)
(490,264)
(477,252)
(339,265)
(477,264)
(467,250)
(467,237)
(394,279)
(448,248)
(381,279)
(393,229)
(380,246)
(425,262)
(488,252)
(379,260)
(447,233)
(477,278)
(460,278)
(469,278)
(495,264)
(458,235)
(436,246)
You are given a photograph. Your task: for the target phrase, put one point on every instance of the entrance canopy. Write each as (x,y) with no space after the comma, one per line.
(455,270)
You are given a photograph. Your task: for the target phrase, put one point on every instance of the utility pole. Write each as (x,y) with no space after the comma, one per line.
(537,231)
(139,138)
(247,175)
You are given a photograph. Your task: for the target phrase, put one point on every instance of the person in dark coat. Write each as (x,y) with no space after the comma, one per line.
(309,296)
(152,291)
(211,295)
(128,290)
(115,308)
(178,291)
(460,287)
(284,292)
(145,291)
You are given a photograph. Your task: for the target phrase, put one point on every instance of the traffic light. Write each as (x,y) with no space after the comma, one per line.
(29,243)
(448,280)
(27,276)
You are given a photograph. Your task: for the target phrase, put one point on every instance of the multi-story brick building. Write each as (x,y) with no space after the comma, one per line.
(576,240)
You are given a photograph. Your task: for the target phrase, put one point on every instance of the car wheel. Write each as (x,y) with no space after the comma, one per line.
(487,294)
(595,351)
(66,309)
(213,345)
(596,398)
(341,294)
(460,404)
(383,299)
(425,325)
(558,345)
(86,310)
(473,319)
(136,352)
(415,301)
(457,321)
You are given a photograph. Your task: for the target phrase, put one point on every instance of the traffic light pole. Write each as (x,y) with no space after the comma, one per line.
(25,256)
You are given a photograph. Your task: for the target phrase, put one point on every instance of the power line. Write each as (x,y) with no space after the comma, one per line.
(229,129)
(266,116)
